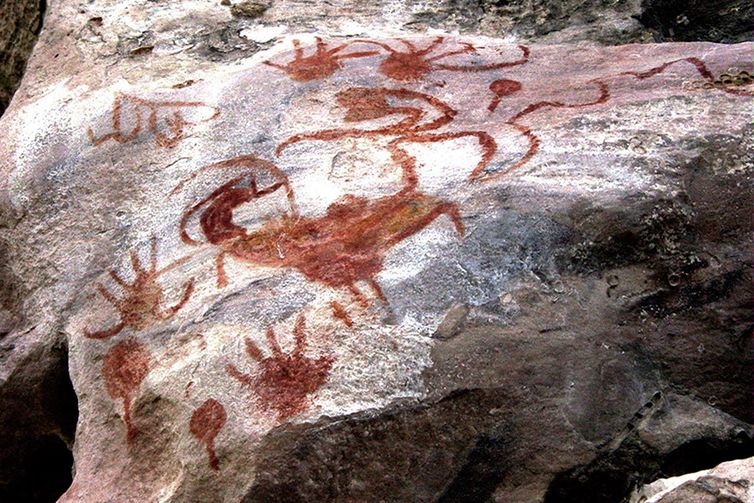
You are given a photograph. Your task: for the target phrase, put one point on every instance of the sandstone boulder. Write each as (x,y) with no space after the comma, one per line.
(376,268)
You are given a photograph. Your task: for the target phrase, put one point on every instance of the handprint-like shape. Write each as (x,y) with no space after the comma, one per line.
(285,380)
(141,306)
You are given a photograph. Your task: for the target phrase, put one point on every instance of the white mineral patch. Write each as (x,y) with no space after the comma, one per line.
(263,33)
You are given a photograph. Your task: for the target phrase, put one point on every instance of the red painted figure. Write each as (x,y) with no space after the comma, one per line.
(124,368)
(128,113)
(284,380)
(344,246)
(363,104)
(414,64)
(141,306)
(505,87)
(206,423)
(321,64)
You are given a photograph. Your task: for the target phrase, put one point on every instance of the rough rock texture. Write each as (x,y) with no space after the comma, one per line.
(444,268)
(20,23)
(731,482)
(685,21)
(232,30)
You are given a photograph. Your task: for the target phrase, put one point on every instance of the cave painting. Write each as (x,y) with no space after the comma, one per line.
(124,368)
(284,381)
(727,84)
(340,313)
(414,64)
(321,64)
(340,249)
(362,104)
(128,119)
(409,65)
(502,88)
(344,246)
(141,306)
(206,422)
(506,87)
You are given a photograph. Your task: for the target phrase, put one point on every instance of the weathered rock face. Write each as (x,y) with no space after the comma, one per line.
(20,23)
(358,269)
(731,481)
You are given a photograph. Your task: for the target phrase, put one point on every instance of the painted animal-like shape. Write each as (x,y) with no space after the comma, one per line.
(339,249)
(414,64)
(506,87)
(363,104)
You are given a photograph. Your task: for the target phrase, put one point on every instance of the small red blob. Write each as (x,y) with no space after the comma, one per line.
(124,368)
(501,88)
(206,423)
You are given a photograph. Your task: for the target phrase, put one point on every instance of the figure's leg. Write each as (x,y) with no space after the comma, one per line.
(321,47)
(107,295)
(189,288)
(136,264)
(494,66)
(252,350)
(272,342)
(275,65)
(531,152)
(236,374)
(120,281)
(222,278)
(130,430)
(358,295)
(104,334)
(174,264)
(406,161)
(451,210)
(299,334)
(431,47)
(467,48)
(377,289)
(409,45)
(372,42)
(487,142)
(298,50)
(153,254)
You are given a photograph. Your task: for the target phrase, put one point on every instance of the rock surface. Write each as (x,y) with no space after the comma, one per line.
(20,23)
(730,482)
(437,268)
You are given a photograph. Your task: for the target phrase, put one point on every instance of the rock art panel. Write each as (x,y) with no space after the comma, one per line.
(462,161)
(339,249)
